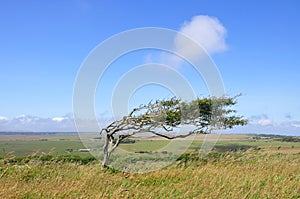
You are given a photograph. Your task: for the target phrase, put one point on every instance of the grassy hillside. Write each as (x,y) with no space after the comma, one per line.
(249,174)
(240,166)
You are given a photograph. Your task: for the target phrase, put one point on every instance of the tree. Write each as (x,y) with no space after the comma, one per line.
(164,116)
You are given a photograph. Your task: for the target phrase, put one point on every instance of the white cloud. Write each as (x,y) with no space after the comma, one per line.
(3,118)
(38,124)
(21,116)
(148,58)
(265,122)
(206,31)
(58,119)
(258,117)
(26,118)
(296,125)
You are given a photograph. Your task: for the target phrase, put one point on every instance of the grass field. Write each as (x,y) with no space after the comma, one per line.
(20,145)
(238,167)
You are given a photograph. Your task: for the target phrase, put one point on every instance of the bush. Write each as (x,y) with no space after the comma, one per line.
(289,139)
(128,141)
(75,158)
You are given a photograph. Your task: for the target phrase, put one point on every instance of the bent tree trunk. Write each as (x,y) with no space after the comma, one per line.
(110,145)
(105,151)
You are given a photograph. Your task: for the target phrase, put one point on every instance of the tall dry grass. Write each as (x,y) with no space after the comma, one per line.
(234,175)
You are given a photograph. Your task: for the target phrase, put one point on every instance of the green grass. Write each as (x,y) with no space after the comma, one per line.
(28,147)
(145,145)
(228,175)
(58,144)
(236,168)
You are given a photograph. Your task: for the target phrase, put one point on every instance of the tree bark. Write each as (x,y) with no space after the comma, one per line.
(105,151)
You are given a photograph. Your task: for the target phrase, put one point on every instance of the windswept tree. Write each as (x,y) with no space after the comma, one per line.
(163,117)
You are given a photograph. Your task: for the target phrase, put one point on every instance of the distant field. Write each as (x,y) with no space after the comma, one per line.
(58,144)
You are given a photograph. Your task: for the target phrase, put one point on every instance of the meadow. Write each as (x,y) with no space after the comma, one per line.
(240,166)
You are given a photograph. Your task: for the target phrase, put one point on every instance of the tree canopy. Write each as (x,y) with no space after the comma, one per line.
(162,117)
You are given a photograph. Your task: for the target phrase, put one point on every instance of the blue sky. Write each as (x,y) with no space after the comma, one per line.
(43,44)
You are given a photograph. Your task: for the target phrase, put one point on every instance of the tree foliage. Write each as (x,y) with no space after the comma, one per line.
(162,117)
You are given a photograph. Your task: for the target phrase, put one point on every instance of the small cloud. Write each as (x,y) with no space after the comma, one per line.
(288,116)
(207,31)
(26,118)
(171,60)
(265,122)
(58,119)
(38,124)
(3,118)
(20,116)
(259,117)
(148,59)
(296,125)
